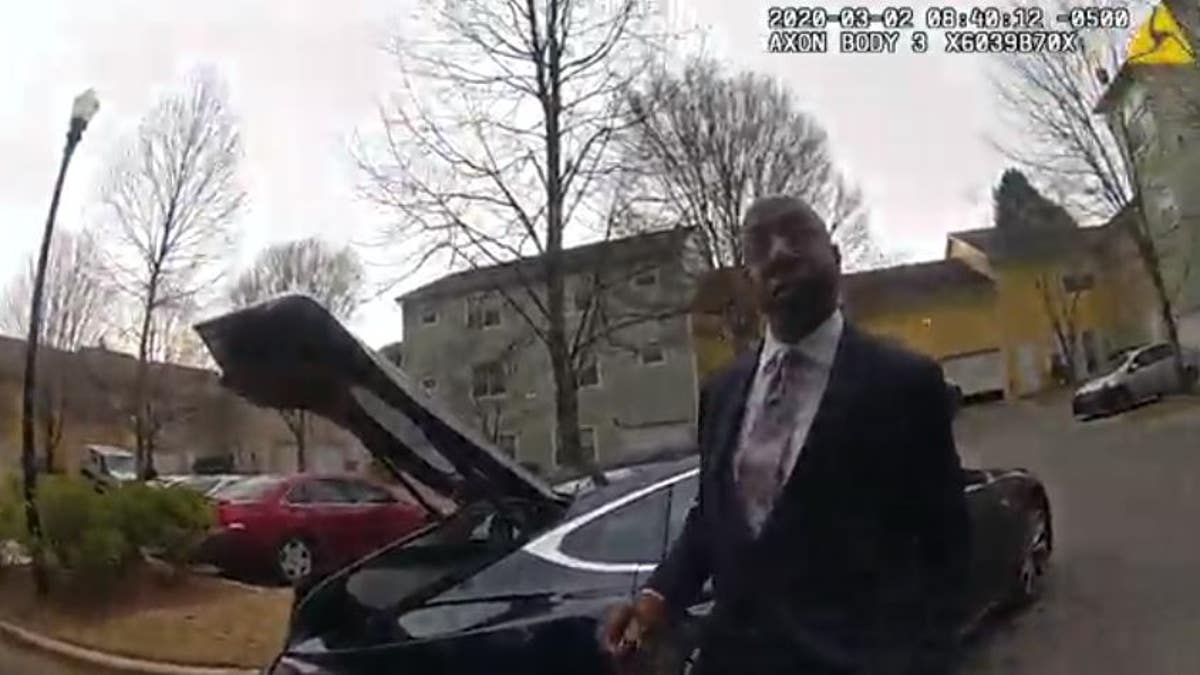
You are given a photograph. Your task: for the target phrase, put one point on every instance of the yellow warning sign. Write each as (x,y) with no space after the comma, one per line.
(1160,41)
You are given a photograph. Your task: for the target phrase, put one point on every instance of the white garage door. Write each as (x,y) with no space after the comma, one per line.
(977,373)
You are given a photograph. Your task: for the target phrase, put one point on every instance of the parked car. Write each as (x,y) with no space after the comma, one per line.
(107,466)
(302,525)
(520,577)
(207,485)
(1143,374)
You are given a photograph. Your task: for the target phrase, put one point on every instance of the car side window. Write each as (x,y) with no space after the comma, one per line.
(299,494)
(632,533)
(1152,355)
(370,494)
(329,491)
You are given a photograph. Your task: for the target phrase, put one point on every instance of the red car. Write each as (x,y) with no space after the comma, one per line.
(306,524)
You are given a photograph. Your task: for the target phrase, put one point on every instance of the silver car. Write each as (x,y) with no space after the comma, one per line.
(1143,374)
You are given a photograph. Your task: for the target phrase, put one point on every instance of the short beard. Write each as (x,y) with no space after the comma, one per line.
(791,326)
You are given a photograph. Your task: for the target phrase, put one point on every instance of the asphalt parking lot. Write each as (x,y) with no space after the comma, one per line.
(1123,593)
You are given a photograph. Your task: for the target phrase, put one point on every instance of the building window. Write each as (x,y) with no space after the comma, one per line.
(645,278)
(429,384)
(429,315)
(588,373)
(653,354)
(1077,283)
(587,444)
(483,312)
(487,379)
(508,443)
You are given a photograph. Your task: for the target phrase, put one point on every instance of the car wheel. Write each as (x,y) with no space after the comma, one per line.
(1035,557)
(295,560)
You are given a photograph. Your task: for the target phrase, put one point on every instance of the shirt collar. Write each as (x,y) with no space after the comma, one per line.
(820,345)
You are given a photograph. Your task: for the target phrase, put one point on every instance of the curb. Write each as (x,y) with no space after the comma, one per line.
(109,661)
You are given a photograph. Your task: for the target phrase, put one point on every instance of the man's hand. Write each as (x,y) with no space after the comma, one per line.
(630,624)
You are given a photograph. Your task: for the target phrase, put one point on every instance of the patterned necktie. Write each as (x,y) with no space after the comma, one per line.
(763,463)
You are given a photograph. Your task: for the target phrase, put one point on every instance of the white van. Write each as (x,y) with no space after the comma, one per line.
(108,465)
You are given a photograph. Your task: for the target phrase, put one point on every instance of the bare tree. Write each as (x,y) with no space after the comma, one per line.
(334,277)
(169,201)
(502,143)
(1091,163)
(706,144)
(1060,302)
(76,299)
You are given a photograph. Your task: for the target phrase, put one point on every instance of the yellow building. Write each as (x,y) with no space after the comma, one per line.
(1056,286)
(943,308)
(995,312)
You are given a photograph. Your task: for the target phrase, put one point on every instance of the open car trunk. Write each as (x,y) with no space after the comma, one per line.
(290,353)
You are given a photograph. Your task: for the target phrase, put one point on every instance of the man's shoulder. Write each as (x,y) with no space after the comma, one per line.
(718,379)
(890,354)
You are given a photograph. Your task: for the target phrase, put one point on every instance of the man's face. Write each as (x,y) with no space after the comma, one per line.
(793,266)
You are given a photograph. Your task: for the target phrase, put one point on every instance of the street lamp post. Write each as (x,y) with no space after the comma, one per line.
(82,111)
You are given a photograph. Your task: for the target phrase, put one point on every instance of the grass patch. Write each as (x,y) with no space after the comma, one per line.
(154,615)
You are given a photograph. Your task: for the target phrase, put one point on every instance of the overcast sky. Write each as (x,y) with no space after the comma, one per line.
(305,74)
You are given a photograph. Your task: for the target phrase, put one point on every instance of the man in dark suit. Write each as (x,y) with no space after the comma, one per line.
(831,517)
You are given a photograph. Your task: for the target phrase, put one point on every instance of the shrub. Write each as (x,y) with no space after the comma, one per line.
(12,520)
(94,536)
(11,508)
(81,532)
(169,522)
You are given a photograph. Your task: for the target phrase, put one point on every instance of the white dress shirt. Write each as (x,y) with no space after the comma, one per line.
(819,348)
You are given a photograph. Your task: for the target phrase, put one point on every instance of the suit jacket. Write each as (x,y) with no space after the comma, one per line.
(862,565)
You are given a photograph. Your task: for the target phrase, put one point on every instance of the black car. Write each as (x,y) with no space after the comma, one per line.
(519,577)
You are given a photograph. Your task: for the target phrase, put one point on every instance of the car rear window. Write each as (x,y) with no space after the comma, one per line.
(249,489)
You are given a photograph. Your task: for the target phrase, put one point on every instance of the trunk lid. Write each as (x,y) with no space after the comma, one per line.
(290,352)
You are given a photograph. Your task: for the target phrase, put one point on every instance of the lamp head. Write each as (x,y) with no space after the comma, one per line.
(85,106)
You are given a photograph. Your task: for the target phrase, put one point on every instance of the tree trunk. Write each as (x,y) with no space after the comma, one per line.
(301,434)
(566,397)
(1167,315)
(1166,311)
(141,453)
(1066,348)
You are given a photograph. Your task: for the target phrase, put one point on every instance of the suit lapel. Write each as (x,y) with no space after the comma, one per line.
(727,432)
(733,408)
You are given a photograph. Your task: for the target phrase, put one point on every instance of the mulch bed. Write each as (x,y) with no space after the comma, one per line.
(155,614)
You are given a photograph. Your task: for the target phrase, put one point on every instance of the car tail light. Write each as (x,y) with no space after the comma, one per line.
(223,513)
(228,517)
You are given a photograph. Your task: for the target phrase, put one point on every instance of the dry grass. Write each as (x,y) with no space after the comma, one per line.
(195,621)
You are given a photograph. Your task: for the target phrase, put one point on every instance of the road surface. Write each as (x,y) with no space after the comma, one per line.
(1123,594)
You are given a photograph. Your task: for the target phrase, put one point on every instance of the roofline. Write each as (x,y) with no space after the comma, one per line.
(429,289)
